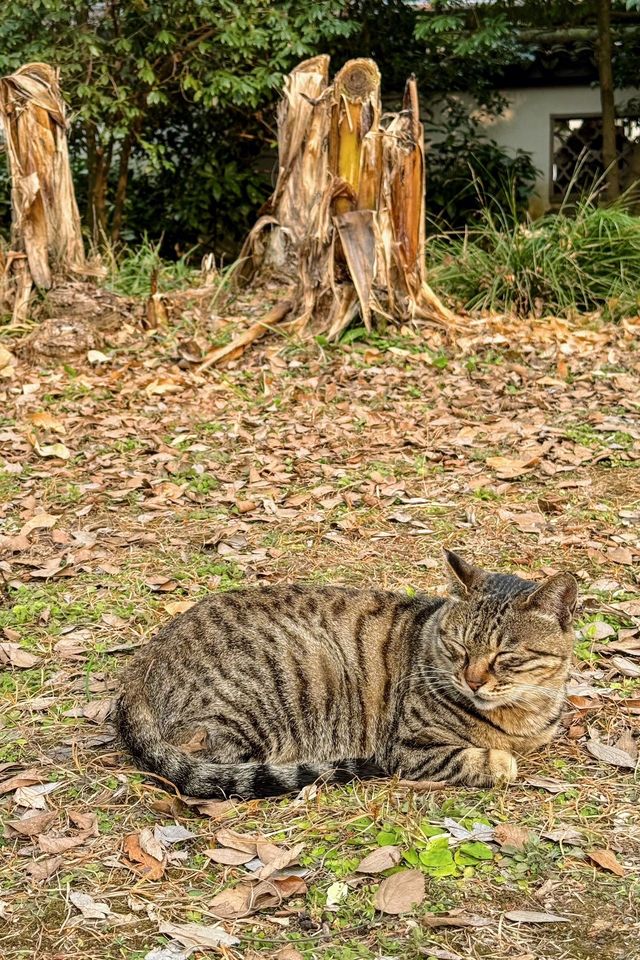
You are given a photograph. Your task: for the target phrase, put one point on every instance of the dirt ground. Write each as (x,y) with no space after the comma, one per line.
(131,485)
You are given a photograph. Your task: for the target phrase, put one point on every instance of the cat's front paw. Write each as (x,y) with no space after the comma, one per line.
(503,766)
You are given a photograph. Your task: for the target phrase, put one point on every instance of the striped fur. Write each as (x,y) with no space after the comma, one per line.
(292,684)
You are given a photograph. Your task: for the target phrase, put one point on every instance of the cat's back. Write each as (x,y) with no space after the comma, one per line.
(316,616)
(314,665)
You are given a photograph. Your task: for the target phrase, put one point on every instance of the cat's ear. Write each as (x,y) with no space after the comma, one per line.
(463,576)
(557,597)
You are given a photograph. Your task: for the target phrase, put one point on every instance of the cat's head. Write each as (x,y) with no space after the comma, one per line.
(503,640)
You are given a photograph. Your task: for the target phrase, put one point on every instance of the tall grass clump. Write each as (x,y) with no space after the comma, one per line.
(586,258)
(131,271)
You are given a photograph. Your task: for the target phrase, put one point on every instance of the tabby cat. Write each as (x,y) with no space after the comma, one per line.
(292,684)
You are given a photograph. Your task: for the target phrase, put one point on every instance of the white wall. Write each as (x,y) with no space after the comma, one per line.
(527,123)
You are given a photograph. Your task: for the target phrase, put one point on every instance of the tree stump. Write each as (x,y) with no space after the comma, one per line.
(345,223)
(46,241)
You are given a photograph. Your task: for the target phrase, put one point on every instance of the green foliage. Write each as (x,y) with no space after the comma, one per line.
(586,259)
(149,82)
(174,101)
(468,174)
(483,35)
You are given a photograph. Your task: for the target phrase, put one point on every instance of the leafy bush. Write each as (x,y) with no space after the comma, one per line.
(586,260)
(468,174)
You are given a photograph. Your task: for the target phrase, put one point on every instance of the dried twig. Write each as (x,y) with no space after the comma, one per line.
(239,344)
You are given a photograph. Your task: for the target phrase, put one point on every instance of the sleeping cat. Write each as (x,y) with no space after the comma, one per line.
(298,683)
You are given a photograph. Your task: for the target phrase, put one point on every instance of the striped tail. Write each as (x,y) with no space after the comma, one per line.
(140,732)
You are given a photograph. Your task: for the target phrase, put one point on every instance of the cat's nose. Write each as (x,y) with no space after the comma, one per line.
(475,678)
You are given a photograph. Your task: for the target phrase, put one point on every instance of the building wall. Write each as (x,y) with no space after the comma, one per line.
(527,124)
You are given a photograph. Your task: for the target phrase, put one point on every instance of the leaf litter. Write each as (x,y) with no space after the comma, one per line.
(366,457)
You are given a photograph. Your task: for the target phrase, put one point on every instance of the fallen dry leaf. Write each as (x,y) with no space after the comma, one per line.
(287,953)
(455,918)
(286,886)
(87,822)
(337,893)
(625,666)
(237,841)
(607,860)
(150,844)
(232,903)
(161,584)
(32,823)
(142,862)
(41,870)
(41,521)
(228,856)
(216,809)
(88,907)
(97,711)
(249,898)
(630,607)
(170,952)
(7,361)
(270,893)
(598,630)
(34,796)
(276,858)
(627,744)
(400,892)
(246,506)
(534,916)
(631,705)
(629,644)
(512,835)
(24,779)
(620,555)
(57,450)
(193,935)
(12,655)
(612,755)
(46,420)
(379,860)
(178,606)
(548,784)
(163,385)
(173,833)
(49,844)
(507,468)
(564,835)
(96,356)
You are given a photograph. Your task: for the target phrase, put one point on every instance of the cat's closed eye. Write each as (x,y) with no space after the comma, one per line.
(511,661)
(525,662)
(454,649)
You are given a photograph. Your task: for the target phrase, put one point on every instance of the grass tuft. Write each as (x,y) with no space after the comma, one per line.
(131,270)
(584,259)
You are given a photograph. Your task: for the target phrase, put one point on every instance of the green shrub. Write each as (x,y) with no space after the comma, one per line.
(585,259)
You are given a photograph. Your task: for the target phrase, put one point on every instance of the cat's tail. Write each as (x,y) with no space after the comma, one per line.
(194,776)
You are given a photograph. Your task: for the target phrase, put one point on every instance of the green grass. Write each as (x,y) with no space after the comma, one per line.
(131,271)
(586,259)
(9,486)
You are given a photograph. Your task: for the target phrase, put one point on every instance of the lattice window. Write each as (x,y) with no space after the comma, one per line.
(577,154)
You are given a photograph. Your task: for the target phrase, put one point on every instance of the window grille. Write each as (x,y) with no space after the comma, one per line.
(577,154)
